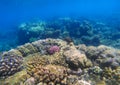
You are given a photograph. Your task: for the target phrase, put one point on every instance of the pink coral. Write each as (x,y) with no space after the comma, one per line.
(53,49)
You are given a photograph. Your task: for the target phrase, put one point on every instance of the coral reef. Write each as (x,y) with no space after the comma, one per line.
(82,31)
(72,29)
(102,55)
(10,64)
(28,31)
(96,70)
(68,64)
(16,79)
(75,59)
(49,74)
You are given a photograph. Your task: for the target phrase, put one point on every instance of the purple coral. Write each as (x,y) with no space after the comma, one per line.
(10,64)
(53,49)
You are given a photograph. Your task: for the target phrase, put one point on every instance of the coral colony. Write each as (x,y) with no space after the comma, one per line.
(64,64)
(10,64)
(53,49)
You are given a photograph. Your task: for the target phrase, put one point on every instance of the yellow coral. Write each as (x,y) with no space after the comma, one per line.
(15,79)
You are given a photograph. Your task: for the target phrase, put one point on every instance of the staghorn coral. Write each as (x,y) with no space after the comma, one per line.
(10,64)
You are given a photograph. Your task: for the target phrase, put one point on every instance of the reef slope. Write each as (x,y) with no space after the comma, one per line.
(56,62)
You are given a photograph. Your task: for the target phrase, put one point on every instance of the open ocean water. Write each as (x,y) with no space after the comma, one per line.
(85,32)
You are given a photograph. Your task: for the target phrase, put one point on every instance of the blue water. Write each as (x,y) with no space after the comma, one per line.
(15,12)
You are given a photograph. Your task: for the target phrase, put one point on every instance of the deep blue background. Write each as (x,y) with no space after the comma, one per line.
(14,12)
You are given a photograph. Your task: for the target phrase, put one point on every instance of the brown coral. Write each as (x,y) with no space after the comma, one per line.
(75,59)
(49,73)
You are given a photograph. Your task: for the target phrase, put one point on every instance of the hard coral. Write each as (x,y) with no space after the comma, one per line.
(49,74)
(53,49)
(10,64)
(76,59)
